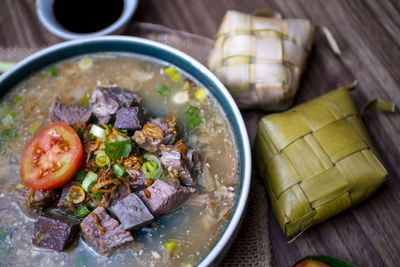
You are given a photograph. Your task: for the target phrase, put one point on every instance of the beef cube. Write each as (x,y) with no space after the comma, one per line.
(163,197)
(69,114)
(187,168)
(106,101)
(103,232)
(132,213)
(137,179)
(171,158)
(55,232)
(63,203)
(151,144)
(131,118)
(103,120)
(194,159)
(33,198)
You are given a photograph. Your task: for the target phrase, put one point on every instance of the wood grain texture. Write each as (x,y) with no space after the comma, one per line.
(368,33)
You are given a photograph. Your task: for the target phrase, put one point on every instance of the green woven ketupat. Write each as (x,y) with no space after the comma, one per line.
(317,160)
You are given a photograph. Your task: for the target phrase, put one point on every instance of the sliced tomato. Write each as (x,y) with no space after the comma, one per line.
(52,157)
(312,263)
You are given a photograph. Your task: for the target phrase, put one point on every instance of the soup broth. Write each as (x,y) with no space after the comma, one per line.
(194,228)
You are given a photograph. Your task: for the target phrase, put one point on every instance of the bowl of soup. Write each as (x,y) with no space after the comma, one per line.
(176,97)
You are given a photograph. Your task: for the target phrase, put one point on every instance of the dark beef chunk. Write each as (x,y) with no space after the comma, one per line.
(103,232)
(132,213)
(186,168)
(194,159)
(55,232)
(171,158)
(103,120)
(152,144)
(106,101)
(131,118)
(165,197)
(136,179)
(63,203)
(69,114)
(35,199)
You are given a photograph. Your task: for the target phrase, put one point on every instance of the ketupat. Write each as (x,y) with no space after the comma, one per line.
(317,160)
(261,59)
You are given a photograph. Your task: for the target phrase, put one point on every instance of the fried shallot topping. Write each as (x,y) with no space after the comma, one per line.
(97,221)
(153,131)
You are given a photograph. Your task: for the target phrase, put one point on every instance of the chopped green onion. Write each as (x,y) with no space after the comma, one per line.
(20,186)
(89,181)
(101,158)
(152,168)
(85,63)
(83,211)
(81,175)
(84,99)
(170,246)
(162,90)
(173,73)
(9,134)
(194,122)
(34,127)
(18,99)
(7,119)
(119,149)
(118,170)
(186,86)
(97,131)
(97,196)
(191,110)
(122,138)
(53,71)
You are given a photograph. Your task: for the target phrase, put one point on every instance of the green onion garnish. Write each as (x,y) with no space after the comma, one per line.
(19,186)
(53,71)
(18,99)
(191,110)
(89,181)
(9,134)
(170,246)
(162,90)
(80,176)
(118,169)
(97,196)
(194,122)
(152,168)
(101,158)
(83,211)
(119,149)
(97,131)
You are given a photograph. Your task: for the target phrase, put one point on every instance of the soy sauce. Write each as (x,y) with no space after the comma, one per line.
(86,16)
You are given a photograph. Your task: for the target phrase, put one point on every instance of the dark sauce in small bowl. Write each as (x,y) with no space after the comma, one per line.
(86,16)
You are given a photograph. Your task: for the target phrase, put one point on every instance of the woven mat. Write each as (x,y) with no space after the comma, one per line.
(252,245)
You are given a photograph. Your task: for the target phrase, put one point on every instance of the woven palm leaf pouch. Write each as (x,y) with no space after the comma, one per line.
(260,59)
(317,159)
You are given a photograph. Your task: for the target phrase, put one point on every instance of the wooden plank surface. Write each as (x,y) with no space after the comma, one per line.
(368,33)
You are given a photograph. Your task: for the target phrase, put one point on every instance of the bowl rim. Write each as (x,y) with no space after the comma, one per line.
(56,29)
(226,238)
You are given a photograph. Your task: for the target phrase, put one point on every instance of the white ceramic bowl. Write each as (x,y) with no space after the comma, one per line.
(44,10)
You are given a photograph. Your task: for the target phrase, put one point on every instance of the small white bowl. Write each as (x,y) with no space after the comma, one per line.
(44,10)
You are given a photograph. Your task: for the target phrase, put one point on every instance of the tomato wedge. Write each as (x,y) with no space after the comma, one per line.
(52,157)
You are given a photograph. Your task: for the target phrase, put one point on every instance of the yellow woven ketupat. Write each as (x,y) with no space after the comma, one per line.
(261,59)
(317,160)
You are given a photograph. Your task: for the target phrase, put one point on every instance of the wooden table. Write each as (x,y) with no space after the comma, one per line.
(368,33)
